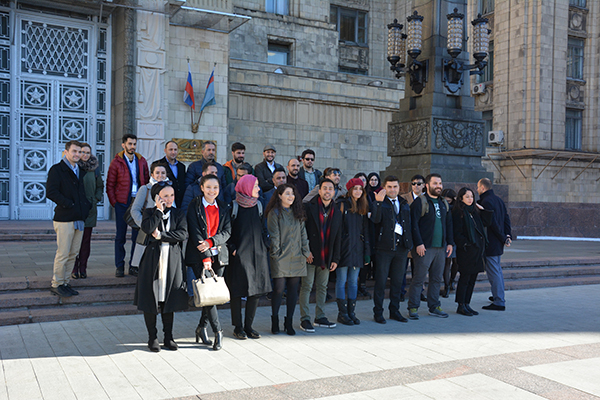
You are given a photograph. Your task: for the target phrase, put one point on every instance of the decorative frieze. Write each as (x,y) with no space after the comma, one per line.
(575,94)
(408,137)
(578,22)
(463,135)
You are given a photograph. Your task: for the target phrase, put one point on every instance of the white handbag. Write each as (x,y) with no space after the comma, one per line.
(211,291)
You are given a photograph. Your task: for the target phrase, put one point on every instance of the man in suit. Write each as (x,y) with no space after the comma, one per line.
(175,170)
(433,239)
(264,170)
(390,215)
(324,230)
(65,188)
(499,235)
(194,172)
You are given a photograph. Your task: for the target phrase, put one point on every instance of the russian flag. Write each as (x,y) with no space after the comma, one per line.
(209,95)
(188,94)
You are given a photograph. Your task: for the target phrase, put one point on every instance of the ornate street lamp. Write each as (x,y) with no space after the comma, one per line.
(399,44)
(453,69)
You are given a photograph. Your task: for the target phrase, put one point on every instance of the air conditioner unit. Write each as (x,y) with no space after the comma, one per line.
(478,89)
(495,137)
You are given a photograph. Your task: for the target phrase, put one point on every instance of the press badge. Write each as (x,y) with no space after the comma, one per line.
(398,229)
(214,251)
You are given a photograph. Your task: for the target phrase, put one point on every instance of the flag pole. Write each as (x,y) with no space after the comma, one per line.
(201,111)
(194,126)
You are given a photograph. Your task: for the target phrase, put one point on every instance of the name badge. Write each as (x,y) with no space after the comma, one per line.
(214,251)
(398,229)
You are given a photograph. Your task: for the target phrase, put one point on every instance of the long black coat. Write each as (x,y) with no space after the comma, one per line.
(68,192)
(248,270)
(196,220)
(470,253)
(313,230)
(177,297)
(355,237)
(500,228)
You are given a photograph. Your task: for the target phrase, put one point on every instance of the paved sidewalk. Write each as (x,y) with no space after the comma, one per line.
(542,347)
(30,258)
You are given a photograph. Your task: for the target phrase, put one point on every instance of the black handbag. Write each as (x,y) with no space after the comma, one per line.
(127,216)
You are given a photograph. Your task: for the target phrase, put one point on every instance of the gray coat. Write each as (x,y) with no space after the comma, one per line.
(289,244)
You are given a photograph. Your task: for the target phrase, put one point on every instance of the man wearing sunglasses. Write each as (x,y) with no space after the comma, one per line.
(417,185)
(333,174)
(307,172)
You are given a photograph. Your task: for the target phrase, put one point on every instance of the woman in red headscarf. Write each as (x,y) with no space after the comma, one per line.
(248,272)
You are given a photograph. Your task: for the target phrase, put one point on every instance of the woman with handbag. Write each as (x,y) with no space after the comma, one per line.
(209,228)
(247,274)
(94,191)
(161,285)
(468,221)
(356,250)
(143,200)
(289,251)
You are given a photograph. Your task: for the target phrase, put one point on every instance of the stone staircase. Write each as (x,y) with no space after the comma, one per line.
(28,300)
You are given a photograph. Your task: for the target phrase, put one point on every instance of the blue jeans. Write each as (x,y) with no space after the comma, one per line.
(343,275)
(121,236)
(493,270)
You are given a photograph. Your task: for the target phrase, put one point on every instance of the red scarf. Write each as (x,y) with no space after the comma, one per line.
(325,222)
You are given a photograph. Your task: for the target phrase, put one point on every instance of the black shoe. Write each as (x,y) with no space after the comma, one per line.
(445,293)
(306,326)
(397,316)
(463,310)
(83,275)
(201,333)
(289,329)
(468,307)
(252,334)
(60,291)
(238,333)
(494,307)
(491,298)
(218,341)
(74,275)
(379,319)
(423,297)
(70,289)
(324,323)
(133,271)
(119,273)
(275,324)
(402,298)
(154,346)
(170,344)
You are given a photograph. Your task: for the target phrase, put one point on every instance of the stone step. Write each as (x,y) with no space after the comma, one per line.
(39,298)
(544,271)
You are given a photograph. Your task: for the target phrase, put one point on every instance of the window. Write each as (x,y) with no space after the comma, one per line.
(573,129)
(577,3)
(486,6)
(488,71)
(278,54)
(351,24)
(356,71)
(278,7)
(575,58)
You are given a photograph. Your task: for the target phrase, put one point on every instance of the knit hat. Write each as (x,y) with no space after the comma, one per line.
(354,182)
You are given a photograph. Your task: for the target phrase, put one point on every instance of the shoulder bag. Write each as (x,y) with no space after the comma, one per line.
(127,216)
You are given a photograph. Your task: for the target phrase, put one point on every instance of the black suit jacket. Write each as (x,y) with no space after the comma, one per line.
(68,192)
(313,230)
(179,183)
(383,217)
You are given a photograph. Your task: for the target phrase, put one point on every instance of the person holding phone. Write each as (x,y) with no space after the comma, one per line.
(161,281)
(209,227)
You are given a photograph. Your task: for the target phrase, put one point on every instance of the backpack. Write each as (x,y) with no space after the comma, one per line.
(235,207)
(425,205)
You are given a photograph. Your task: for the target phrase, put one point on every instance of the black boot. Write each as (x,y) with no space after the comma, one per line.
(287,324)
(218,341)
(463,310)
(201,333)
(167,319)
(343,317)
(150,320)
(351,314)
(445,292)
(275,324)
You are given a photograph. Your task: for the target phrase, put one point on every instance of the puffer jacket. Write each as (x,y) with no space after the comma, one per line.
(118,180)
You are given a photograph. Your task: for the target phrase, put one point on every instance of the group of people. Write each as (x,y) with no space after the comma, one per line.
(277,232)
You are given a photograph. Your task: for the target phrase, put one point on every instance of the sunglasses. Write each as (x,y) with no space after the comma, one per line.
(417,183)
(336,173)
(309,159)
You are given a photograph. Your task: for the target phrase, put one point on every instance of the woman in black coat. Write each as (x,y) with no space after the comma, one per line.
(209,227)
(161,283)
(468,220)
(248,272)
(356,249)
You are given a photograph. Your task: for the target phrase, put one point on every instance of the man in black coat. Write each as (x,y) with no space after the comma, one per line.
(324,230)
(499,235)
(264,170)
(433,238)
(65,187)
(390,215)
(293,178)
(175,170)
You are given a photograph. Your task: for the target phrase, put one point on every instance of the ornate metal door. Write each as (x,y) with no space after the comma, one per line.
(58,93)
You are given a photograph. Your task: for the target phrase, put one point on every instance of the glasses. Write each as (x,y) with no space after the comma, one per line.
(417,183)
(337,173)
(309,159)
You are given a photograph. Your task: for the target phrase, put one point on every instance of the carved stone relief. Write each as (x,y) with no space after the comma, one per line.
(575,94)
(458,135)
(352,56)
(407,136)
(577,21)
